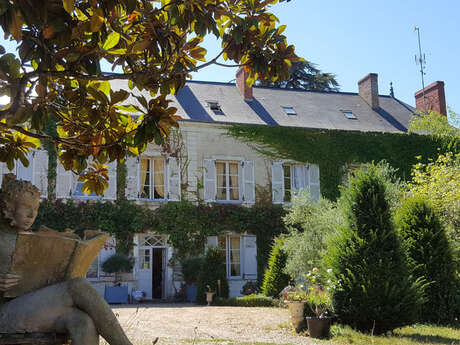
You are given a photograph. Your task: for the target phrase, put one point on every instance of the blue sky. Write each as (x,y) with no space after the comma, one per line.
(353,38)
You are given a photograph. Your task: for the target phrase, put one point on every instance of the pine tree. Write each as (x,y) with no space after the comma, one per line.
(430,257)
(374,292)
(275,279)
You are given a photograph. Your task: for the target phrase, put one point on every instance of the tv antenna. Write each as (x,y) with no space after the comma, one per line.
(420,60)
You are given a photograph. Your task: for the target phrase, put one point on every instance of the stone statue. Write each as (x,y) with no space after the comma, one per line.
(72,307)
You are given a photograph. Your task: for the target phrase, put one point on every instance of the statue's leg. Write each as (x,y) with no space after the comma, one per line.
(86,298)
(79,326)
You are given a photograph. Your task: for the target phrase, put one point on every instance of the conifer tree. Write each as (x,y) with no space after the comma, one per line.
(275,279)
(374,292)
(430,257)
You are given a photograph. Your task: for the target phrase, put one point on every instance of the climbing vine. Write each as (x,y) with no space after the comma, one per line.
(333,150)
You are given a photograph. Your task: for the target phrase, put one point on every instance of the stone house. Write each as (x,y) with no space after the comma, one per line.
(217,168)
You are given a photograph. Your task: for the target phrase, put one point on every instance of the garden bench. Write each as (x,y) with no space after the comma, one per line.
(33,339)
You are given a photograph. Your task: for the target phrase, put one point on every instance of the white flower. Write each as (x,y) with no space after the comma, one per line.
(329,270)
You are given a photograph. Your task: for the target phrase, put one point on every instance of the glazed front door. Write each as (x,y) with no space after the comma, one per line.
(145,271)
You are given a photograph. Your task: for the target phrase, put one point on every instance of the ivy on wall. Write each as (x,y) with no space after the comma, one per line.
(332,150)
(187,224)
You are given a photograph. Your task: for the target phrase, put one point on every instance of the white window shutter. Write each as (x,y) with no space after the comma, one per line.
(249,182)
(111,192)
(3,170)
(64,182)
(106,252)
(173,172)
(25,173)
(212,242)
(210,181)
(40,167)
(132,178)
(313,186)
(277,183)
(249,257)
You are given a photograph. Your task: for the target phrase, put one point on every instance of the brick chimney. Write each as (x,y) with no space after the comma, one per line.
(245,90)
(369,90)
(435,98)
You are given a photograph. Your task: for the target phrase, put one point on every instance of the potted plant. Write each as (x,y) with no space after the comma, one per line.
(190,270)
(319,300)
(117,263)
(209,295)
(295,300)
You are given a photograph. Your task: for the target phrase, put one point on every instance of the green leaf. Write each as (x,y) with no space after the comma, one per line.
(111,41)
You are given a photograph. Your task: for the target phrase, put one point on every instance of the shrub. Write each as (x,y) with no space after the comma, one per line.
(430,257)
(212,270)
(191,269)
(118,263)
(309,226)
(275,279)
(246,301)
(373,289)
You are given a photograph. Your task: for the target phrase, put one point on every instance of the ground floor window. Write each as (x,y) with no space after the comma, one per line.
(232,247)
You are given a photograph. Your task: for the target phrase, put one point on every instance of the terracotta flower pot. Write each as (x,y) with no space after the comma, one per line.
(296,309)
(318,327)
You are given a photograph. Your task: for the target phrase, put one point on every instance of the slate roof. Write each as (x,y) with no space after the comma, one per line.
(322,110)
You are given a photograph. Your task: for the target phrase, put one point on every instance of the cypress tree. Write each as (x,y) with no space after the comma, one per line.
(430,257)
(374,292)
(275,279)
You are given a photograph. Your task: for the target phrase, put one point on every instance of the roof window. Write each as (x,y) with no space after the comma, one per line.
(215,107)
(289,110)
(349,115)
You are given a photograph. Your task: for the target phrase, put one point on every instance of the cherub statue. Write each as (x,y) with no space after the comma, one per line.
(72,307)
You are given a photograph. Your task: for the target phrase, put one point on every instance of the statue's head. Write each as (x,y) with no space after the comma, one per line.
(19,202)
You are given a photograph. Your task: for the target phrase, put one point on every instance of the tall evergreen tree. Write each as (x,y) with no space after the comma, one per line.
(430,257)
(305,75)
(374,292)
(275,279)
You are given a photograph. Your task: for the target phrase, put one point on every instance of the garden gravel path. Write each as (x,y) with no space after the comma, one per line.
(191,324)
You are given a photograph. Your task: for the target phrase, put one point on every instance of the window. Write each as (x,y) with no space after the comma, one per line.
(289,110)
(95,270)
(287,178)
(349,115)
(231,245)
(227,181)
(294,180)
(144,259)
(152,179)
(215,107)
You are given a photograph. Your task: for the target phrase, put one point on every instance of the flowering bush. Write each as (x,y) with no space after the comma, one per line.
(319,291)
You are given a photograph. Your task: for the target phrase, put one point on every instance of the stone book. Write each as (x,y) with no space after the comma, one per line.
(47,257)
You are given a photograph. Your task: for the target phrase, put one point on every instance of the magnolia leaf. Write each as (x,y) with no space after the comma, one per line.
(69,5)
(111,41)
(16,25)
(97,20)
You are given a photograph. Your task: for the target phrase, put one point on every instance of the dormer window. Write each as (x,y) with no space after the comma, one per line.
(289,110)
(215,107)
(349,115)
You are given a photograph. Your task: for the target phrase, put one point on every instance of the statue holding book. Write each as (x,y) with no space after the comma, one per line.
(42,284)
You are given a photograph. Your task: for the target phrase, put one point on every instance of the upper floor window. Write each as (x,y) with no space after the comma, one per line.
(36,172)
(288,178)
(68,186)
(228,186)
(229,181)
(152,178)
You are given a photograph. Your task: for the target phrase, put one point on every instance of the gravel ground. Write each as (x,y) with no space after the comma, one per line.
(190,324)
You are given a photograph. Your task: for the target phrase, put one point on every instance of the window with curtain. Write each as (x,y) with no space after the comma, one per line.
(294,180)
(152,178)
(227,181)
(231,246)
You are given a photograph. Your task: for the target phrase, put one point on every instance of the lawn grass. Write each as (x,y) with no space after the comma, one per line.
(410,335)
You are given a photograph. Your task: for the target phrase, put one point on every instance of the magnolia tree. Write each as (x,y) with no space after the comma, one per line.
(154,45)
